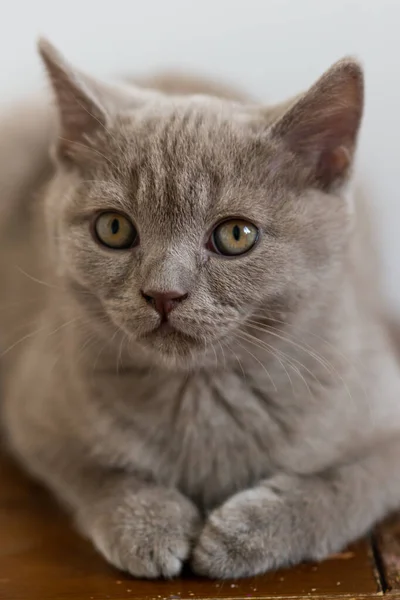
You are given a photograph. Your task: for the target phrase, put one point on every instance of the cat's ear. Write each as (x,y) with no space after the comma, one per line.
(321,127)
(80,108)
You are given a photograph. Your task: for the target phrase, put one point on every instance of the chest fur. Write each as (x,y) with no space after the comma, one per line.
(209,436)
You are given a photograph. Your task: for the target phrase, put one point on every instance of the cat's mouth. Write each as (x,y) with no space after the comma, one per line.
(167,330)
(169,339)
(163,329)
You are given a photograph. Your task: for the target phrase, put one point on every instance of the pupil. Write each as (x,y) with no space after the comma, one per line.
(115,226)
(236,232)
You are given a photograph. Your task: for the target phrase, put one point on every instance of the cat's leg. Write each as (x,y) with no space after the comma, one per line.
(144,529)
(138,526)
(288,519)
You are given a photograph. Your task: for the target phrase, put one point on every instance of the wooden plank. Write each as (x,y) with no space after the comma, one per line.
(388,549)
(42,558)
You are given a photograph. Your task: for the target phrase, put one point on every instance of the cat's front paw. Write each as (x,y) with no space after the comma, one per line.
(148,533)
(257,530)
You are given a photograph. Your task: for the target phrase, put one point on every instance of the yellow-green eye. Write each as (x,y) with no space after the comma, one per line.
(233,237)
(115,231)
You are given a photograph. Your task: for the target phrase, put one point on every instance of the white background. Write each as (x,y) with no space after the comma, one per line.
(274,48)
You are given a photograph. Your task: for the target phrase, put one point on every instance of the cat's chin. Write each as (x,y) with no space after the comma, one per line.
(174,349)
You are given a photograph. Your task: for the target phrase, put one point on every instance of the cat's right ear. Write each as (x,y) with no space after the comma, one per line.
(321,127)
(80,109)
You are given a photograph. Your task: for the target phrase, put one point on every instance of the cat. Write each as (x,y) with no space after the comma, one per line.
(196,359)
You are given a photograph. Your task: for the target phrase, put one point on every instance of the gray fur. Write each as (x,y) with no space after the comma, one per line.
(265,430)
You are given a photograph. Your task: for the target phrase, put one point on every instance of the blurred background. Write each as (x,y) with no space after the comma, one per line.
(273,48)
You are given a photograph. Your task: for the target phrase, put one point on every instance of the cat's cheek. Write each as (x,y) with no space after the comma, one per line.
(106,274)
(235,282)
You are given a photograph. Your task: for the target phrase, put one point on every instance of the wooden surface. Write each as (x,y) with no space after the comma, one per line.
(388,554)
(42,558)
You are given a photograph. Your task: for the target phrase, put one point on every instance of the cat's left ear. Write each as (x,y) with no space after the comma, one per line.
(80,109)
(321,127)
(85,105)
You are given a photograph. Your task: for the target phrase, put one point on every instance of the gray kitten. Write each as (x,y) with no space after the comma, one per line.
(195,358)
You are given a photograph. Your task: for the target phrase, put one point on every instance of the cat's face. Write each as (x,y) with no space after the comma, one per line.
(184,216)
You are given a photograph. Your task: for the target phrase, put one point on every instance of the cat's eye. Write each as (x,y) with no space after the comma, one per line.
(233,237)
(116,231)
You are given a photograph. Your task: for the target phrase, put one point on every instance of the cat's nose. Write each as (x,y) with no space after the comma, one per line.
(164,302)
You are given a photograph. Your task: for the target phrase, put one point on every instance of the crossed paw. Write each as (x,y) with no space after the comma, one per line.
(152,533)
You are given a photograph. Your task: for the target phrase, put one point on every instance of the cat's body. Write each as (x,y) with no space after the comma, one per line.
(295,399)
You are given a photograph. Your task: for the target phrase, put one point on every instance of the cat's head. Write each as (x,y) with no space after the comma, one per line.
(185,215)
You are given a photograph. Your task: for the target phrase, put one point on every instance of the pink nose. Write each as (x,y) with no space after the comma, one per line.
(164,302)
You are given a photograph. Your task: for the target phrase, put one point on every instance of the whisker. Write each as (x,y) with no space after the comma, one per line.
(325,364)
(252,340)
(259,362)
(107,343)
(290,360)
(347,359)
(223,353)
(47,284)
(216,357)
(25,337)
(91,338)
(339,353)
(119,357)
(36,332)
(225,343)
(289,339)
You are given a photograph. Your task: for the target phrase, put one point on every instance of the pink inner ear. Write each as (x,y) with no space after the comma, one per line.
(333,165)
(321,128)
